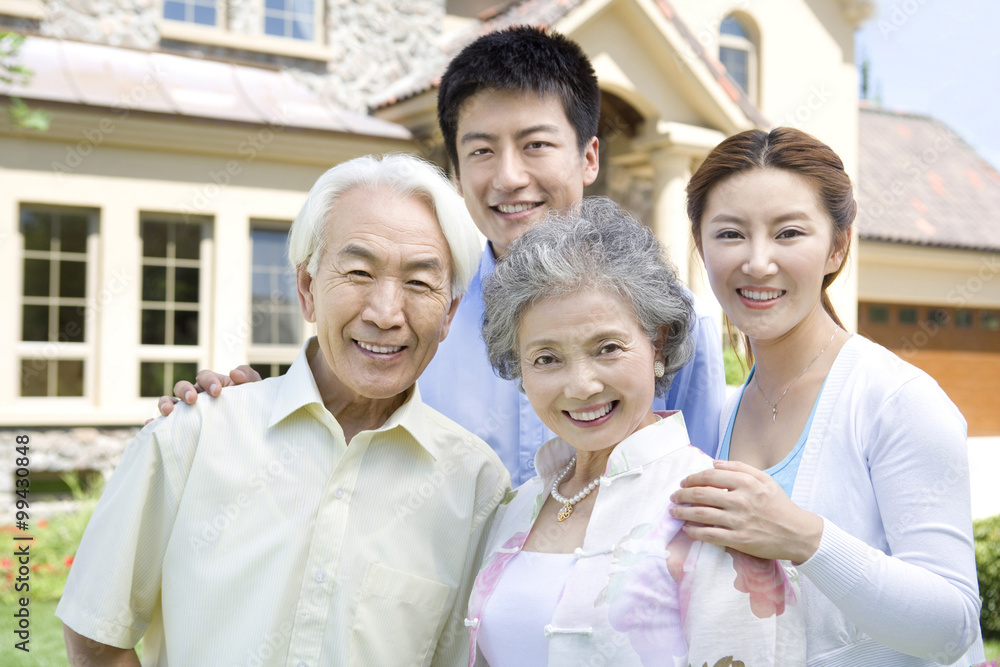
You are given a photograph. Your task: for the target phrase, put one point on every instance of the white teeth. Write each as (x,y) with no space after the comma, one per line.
(379,349)
(514,208)
(760,296)
(592,415)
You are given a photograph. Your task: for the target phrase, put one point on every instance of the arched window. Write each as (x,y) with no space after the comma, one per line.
(739,54)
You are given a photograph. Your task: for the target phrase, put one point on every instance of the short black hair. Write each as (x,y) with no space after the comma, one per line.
(523,59)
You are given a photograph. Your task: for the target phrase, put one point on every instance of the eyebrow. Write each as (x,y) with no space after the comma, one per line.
(598,336)
(784,217)
(521,134)
(430,263)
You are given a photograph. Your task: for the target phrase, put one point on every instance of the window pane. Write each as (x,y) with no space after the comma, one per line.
(204,15)
(154,327)
(73,233)
(71,324)
(37,230)
(275,4)
(907,315)
(188,241)
(151,378)
(730,26)
(261,321)
(69,377)
(302,30)
(287,287)
(154,283)
(288,328)
(36,277)
(937,316)
(154,239)
(963,319)
(73,279)
(186,285)
(737,64)
(261,286)
(186,327)
(34,377)
(173,10)
(274,26)
(990,320)
(184,371)
(269,247)
(878,314)
(35,323)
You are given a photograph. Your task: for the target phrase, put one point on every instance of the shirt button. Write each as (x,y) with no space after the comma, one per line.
(339,493)
(320,576)
(531,464)
(301,664)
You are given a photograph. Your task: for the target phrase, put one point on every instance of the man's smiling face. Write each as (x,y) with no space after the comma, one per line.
(518,157)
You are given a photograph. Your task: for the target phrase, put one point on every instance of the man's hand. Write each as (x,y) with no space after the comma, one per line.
(209,381)
(85,652)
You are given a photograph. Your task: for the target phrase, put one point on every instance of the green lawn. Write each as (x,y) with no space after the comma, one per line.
(46,648)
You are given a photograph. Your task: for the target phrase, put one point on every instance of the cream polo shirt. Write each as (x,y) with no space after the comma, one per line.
(244,531)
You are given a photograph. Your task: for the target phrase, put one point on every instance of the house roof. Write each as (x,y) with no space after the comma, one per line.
(124,79)
(920,184)
(545,13)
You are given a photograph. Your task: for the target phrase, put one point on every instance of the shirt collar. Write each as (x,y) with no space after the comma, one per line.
(639,449)
(299,390)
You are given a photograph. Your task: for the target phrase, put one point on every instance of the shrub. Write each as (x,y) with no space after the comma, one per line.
(987,534)
(736,371)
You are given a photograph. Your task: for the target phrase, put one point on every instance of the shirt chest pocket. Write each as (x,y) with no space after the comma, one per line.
(399,617)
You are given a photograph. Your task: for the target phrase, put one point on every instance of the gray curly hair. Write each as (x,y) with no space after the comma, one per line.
(597,246)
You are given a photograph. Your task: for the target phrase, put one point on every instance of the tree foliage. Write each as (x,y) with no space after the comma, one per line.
(12,72)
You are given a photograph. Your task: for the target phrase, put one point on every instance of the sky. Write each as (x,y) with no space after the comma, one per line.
(940,58)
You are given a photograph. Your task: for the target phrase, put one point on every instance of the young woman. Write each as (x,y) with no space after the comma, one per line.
(865,474)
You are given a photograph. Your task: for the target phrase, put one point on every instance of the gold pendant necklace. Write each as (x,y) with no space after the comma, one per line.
(567,503)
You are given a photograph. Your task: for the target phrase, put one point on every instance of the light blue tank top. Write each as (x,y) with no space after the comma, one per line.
(785,471)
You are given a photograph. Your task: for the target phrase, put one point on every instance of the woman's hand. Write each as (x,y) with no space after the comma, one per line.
(735,505)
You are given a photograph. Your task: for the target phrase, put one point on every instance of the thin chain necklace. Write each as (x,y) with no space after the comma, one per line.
(567,503)
(774,405)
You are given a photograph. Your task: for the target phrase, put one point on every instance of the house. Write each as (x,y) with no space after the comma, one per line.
(143,232)
(929,257)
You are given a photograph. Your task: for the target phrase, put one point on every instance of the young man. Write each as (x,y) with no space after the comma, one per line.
(519,111)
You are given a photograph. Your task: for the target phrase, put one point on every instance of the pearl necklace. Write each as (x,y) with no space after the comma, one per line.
(774,406)
(567,503)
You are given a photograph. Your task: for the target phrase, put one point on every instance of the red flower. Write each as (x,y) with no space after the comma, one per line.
(6,563)
(764,580)
(68,561)
(43,523)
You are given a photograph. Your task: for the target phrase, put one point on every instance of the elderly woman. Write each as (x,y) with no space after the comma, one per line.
(585,558)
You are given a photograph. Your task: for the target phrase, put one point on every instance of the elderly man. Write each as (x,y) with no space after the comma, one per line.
(326,517)
(519,113)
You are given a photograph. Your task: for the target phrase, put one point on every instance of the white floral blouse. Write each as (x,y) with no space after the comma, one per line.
(641,592)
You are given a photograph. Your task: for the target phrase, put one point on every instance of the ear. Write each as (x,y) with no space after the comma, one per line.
(304,283)
(448,317)
(662,334)
(591,161)
(836,259)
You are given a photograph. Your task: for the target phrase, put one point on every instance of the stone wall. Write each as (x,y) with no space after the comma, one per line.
(372,42)
(58,450)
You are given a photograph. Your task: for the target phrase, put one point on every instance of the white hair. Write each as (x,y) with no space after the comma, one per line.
(406,175)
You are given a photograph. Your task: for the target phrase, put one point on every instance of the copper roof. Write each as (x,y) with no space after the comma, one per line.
(117,78)
(920,184)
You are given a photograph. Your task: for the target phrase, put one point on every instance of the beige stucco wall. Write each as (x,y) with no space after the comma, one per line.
(232,174)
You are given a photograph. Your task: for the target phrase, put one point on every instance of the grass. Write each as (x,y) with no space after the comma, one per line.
(46,647)
(992,649)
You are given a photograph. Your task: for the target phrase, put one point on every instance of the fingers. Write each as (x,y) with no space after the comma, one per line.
(702,515)
(165,405)
(243,373)
(212,382)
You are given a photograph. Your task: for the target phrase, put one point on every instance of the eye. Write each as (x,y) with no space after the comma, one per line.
(790,233)
(419,283)
(481,151)
(729,235)
(543,360)
(358,273)
(538,144)
(610,348)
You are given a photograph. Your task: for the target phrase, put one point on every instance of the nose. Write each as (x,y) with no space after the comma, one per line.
(384,305)
(510,174)
(582,381)
(760,263)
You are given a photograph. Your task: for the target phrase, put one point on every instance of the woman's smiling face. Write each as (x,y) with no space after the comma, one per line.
(587,368)
(767,244)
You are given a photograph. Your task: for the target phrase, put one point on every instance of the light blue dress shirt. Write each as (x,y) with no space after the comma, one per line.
(460,383)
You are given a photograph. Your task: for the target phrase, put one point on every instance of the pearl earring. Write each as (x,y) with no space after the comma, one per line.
(658,369)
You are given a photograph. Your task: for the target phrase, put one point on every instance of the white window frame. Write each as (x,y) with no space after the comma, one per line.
(747,45)
(195,354)
(61,350)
